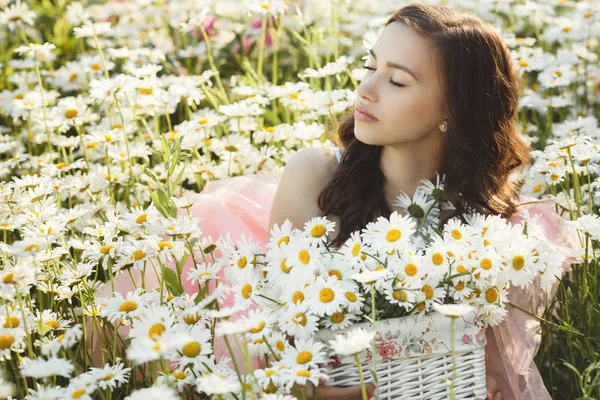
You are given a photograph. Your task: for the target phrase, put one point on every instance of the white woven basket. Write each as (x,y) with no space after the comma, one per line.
(414,358)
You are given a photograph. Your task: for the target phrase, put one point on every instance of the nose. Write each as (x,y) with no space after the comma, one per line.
(367,88)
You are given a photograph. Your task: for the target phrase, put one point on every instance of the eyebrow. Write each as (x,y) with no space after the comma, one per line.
(396,66)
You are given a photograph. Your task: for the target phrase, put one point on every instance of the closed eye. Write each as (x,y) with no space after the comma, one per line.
(389,80)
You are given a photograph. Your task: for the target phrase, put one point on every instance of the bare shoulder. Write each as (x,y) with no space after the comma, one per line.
(305,175)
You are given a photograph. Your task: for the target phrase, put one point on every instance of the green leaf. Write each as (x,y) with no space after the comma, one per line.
(179,176)
(173,283)
(166,154)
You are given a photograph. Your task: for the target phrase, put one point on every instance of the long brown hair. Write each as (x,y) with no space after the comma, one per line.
(483,145)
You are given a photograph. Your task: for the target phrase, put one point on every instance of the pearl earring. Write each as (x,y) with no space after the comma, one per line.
(443,126)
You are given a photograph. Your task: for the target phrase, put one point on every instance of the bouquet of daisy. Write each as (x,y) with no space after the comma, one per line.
(393,276)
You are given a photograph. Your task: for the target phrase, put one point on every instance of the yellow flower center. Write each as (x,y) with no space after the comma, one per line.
(77,394)
(337,317)
(106,249)
(107,378)
(192,349)
(138,255)
(141,219)
(326,295)
(491,295)
(162,244)
(518,262)
(280,346)
(258,328)
(355,250)
(399,295)
(284,267)
(191,319)
(428,291)
(318,231)
(456,234)
(298,297)
(61,165)
(247,291)
(6,341)
(393,235)
(537,188)
(179,375)
(351,297)
(303,373)
(128,306)
(437,258)
(156,330)
(304,257)
(11,322)
(304,357)
(71,113)
(523,63)
(459,286)
(242,262)
(410,269)
(203,121)
(145,91)
(486,263)
(285,239)
(52,324)
(336,273)
(300,319)
(270,372)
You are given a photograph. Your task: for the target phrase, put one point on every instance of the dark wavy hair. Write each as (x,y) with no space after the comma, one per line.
(483,145)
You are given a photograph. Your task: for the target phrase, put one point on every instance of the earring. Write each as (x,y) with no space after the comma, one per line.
(443,127)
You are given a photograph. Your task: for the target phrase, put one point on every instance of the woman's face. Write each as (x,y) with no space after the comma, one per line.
(412,112)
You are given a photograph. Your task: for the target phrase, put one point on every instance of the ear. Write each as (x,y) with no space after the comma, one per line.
(444,125)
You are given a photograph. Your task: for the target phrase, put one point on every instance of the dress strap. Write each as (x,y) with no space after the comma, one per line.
(338,154)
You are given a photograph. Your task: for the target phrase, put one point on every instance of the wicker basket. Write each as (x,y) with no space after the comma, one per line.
(414,358)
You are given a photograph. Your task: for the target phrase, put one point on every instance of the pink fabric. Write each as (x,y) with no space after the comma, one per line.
(513,344)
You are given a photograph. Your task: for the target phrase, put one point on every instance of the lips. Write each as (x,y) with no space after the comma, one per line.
(364,111)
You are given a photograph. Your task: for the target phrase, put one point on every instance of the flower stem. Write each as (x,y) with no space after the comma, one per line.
(363,388)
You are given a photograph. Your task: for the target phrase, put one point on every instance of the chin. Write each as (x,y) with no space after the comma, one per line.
(364,135)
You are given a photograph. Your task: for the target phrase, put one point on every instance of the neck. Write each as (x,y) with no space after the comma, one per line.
(405,166)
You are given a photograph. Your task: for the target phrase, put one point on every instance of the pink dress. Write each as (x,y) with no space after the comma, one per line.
(241,205)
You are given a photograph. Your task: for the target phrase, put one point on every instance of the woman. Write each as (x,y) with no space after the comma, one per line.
(439,95)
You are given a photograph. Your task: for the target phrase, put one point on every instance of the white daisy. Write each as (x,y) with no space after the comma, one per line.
(353,342)
(304,353)
(318,228)
(339,320)
(326,296)
(299,321)
(387,235)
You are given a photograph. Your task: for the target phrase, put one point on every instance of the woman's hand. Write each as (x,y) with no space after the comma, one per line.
(493,390)
(335,392)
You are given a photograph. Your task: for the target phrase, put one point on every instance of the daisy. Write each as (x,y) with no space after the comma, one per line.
(119,308)
(203,272)
(156,321)
(299,375)
(39,368)
(110,377)
(16,14)
(418,207)
(403,297)
(245,292)
(216,384)
(339,320)
(453,310)
(303,256)
(198,346)
(353,342)
(178,378)
(409,268)
(486,263)
(299,321)
(386,235)
(304,353)
(430,293)
(266,7)
(319,227)
(90,29)
(352,251)
(154,393)
(41,52)
(326,296)
(334,265)
(11,340)
(520,263)
(263,324)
